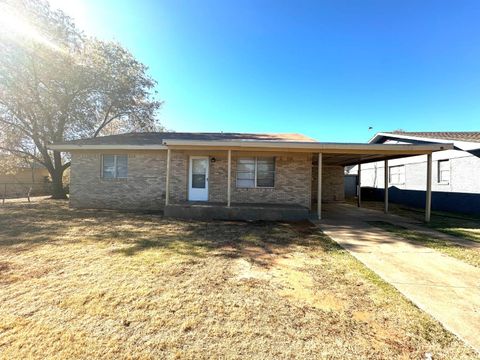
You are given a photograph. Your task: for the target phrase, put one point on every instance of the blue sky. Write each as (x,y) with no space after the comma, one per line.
(328,69)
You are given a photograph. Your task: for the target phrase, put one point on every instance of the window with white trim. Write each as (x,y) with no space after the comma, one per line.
(443,171)
(114,166)
(256,172)
(396,174)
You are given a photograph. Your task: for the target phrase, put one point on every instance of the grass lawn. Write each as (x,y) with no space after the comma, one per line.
(463,226)
(89,284)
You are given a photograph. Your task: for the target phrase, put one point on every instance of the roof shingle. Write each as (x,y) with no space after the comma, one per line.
(157,138)
(473,136)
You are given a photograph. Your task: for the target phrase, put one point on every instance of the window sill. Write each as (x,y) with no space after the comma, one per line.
(114,179)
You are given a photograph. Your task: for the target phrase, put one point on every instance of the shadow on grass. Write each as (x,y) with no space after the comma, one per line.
(24,226)
(255,240)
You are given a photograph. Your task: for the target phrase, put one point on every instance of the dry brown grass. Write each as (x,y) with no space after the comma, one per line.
(87,284)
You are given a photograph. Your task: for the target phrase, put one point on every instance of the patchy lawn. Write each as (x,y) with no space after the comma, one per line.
(468,255)
(89,284)
(456,224)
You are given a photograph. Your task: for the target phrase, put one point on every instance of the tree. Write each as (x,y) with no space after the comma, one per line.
(57,84)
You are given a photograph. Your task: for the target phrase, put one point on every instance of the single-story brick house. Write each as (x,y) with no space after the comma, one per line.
(217,175)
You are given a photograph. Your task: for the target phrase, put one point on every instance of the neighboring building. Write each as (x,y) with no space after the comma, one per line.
(216,175)
(21,180)
(456,172)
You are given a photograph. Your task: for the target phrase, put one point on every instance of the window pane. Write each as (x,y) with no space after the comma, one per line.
(199,166)
(266,164)
(265,167)
(443,171)
(246,165)
(445,175)
(198,181)
(122,166)
(267,180)
(265,172)
(246,175)
(245,183)
(108,171)
(397,174)
(443,165)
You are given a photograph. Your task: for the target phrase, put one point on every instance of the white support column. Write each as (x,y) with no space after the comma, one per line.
(167,180)
(359,186)
(386,187)
(319,192)
(229,177)
(428,194)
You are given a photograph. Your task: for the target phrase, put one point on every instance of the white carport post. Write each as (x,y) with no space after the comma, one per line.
(167,180)
(229,178)
(385,175)
(319,191)
(359,186)
(428,194)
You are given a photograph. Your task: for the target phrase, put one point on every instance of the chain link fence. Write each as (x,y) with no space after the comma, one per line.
(11,191)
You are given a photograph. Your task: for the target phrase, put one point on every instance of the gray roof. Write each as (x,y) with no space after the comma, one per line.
(157,138)
(473,136)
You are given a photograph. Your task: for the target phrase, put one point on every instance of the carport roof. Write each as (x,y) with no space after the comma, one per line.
(333,153)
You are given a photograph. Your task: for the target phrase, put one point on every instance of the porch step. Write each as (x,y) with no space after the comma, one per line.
(243,212)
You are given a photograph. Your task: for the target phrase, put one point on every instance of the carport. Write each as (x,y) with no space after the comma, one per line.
(358,154)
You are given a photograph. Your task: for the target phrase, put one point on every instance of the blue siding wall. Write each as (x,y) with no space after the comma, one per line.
(443,201)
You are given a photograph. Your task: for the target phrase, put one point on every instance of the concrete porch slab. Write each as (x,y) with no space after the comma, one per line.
(220,211)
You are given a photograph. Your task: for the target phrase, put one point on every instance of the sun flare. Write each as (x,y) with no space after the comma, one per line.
(18,27)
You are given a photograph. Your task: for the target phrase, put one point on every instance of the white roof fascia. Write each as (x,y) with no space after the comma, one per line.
(308,146)
(464,145)
(73,147)
(311,145)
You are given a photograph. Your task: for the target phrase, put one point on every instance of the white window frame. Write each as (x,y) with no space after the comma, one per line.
(114,167)
(400,182)
(439,177)
(255,158)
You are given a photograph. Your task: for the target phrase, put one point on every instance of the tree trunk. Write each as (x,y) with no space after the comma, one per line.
(58,191)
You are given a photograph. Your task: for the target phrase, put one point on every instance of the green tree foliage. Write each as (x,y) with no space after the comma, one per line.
(58,84)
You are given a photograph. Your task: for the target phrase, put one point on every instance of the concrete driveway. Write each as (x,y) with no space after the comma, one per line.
(446,288)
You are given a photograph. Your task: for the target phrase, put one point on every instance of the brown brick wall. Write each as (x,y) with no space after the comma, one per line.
(332,183)
(178,177)
(292,179)
(145,186)
(292,182)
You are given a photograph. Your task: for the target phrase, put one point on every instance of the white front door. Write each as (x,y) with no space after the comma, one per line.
(198,179)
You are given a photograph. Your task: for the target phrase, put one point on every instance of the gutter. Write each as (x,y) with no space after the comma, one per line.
(267,145)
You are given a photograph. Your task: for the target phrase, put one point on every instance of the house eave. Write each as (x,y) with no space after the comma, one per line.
(309,146)
(457,144)
(332,148)
(75,147)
